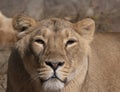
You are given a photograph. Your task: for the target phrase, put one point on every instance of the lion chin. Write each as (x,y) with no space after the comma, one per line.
(53,84)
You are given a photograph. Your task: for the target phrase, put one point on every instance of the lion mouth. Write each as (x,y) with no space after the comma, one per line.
(54,77)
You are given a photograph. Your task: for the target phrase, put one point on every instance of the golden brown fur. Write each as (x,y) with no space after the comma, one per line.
(58,56)
(7,33)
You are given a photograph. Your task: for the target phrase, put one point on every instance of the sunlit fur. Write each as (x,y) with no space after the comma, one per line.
(7,33)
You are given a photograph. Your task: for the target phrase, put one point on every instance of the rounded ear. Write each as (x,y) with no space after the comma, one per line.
(22,23)
(85,28)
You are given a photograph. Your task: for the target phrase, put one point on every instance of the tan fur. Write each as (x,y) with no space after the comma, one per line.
(7,33)
(83,66)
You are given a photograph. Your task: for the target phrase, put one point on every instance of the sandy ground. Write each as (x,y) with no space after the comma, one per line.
(3,81)
(4,55)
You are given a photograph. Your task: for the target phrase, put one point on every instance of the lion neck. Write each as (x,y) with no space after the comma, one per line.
(77,82)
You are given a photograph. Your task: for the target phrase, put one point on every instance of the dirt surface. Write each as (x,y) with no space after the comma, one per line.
(4,55)
(3,81)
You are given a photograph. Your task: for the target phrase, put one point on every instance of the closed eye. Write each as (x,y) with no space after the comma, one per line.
(70,42)
(40,41)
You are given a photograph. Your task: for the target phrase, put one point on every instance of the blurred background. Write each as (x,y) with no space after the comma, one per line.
(106,14)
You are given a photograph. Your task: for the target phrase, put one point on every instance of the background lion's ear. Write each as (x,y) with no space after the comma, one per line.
(23,22)
(86,28)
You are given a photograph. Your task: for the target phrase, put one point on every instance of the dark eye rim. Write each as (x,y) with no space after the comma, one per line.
(70,42)
(40,41)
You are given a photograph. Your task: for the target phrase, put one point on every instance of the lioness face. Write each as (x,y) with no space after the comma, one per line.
(55,50)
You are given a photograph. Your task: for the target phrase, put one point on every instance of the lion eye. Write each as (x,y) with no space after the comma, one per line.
(70,42)
(40,41)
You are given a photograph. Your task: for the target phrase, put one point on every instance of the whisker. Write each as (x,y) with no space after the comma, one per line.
(33,78)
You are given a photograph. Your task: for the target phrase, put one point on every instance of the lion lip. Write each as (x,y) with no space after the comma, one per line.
(53,77)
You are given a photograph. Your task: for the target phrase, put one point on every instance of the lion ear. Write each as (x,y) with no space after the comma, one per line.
(86,28)
(22,23)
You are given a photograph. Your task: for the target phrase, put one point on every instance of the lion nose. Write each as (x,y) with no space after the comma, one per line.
(54,65)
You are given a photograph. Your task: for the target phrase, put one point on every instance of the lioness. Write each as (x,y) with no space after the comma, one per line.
(55,55)
(7,33)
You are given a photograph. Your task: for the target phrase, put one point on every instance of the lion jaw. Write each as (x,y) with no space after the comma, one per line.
(53,85)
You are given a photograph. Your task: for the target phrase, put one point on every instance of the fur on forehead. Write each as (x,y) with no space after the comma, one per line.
(56,23)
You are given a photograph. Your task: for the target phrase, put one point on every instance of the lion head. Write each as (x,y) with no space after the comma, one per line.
(51,52)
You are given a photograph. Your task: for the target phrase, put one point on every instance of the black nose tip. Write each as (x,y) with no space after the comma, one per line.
(54,65)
